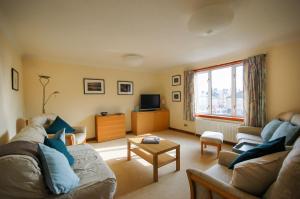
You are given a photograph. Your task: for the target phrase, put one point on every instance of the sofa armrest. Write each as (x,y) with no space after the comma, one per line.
(250,130)
(200,181)
(227,157)
(79,129)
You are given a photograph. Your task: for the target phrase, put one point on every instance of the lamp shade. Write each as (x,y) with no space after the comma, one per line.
(211,19)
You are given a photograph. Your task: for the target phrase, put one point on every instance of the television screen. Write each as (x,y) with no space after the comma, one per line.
(150,101)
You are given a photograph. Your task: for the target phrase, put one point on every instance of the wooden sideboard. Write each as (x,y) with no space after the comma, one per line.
(149,121)
(110,127)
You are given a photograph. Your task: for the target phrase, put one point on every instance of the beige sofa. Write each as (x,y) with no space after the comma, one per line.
(282,179)
(253,134)
(21,175)
(77,137)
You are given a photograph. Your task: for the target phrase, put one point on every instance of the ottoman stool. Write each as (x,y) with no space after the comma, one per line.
(211,138)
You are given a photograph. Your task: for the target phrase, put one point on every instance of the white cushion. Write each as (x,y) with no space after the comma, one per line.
(212,137)
(256,175)
(41,120)
(31,133)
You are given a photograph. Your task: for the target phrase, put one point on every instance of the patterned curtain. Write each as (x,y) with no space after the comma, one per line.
(254,91)
(189,105)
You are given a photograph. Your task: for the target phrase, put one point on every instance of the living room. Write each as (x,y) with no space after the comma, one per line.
(130,49)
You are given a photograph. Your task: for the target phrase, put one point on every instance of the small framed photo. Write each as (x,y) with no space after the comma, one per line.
(176,80)
(125,87)
(93,86)
(14,79)
(176,96)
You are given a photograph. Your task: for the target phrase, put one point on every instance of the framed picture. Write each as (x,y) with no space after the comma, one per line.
(176,80)
(93,86)
(176,96)
(125,87)
(14,79)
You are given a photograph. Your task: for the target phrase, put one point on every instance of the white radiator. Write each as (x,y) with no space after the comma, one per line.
(228,128)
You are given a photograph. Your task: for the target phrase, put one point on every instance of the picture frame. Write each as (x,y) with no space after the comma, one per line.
(93,86)
(176,80)
(176,96)
(125,87)
(14,79)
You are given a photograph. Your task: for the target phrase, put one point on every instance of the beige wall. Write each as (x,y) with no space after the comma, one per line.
(11,102)
(283,82)
(72,105)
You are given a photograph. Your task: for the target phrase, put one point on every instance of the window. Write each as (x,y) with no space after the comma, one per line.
(219,91)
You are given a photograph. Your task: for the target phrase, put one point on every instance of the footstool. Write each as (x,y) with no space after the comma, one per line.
(211,138)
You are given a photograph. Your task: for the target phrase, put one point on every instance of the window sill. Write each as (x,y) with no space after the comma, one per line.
(238,119)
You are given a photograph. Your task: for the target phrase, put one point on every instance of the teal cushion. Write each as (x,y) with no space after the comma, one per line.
(289,130)
(60,135)
(59,124)
(260,150)
(60,146)
(59,176)
(269,129)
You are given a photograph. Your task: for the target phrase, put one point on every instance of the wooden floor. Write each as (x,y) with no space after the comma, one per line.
(135,177)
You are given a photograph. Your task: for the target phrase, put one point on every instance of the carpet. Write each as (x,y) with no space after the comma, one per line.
(135,177)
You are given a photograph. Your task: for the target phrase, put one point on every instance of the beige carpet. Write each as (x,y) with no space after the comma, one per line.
(135,178)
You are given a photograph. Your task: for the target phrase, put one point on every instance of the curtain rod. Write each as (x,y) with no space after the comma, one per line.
(219,65)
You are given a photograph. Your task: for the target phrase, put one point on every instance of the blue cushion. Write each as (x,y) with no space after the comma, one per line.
(59,124)
(269,129)
(286,129)
(261,150)
(60,135)
(60,146)
(59,176)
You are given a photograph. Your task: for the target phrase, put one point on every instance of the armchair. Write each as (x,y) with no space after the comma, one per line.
(77,137)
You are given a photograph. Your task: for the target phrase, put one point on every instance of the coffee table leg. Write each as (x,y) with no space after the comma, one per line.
(178,158)
(128,151)
(155,168)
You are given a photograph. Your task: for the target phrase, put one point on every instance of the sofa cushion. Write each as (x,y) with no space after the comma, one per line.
(93,172)
(290,131)
(31,133)
(220,172)
(21,177)
(59,176)
(288,183)
(260,150)
(60,146)
(256,175)
(241,137)
(269,130)
(59,124)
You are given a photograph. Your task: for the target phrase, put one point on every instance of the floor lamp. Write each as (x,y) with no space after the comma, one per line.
(44,80)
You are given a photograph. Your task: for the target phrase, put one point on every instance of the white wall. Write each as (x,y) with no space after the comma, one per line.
(72,104)
(11,102)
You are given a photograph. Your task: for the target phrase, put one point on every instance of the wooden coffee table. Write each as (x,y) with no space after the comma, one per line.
(155,154)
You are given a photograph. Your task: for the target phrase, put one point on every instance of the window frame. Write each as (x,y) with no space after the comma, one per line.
(233,116)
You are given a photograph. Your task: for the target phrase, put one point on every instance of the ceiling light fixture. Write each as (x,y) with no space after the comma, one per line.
(133,60)
(211,19)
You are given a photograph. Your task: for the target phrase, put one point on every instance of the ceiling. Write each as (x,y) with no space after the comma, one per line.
(99,32)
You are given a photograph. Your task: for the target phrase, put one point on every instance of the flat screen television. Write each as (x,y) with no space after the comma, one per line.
(149,101)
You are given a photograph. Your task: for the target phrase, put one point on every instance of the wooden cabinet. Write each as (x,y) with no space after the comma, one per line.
(149,121)
(110,127)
